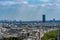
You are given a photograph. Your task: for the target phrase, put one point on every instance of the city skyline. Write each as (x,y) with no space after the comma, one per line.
(29,10)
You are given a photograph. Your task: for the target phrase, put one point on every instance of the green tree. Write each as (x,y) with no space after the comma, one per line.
(50,35)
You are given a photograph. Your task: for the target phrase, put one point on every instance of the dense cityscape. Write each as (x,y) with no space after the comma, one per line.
(27,30)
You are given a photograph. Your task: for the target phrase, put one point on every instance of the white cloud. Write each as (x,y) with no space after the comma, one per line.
(57,5)
(43,5)
(50,4)
(55,0)
(12,2)
(7,3)
(32,5)
(58,0)
(24,2)
(44,0)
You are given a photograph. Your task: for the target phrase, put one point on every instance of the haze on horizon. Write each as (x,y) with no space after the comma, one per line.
(29,9)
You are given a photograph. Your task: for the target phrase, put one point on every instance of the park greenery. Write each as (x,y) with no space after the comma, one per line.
(50,35)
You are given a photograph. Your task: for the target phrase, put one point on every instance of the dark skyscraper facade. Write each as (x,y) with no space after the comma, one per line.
(43,18)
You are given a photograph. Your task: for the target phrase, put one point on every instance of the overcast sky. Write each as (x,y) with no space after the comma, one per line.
(28,10)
